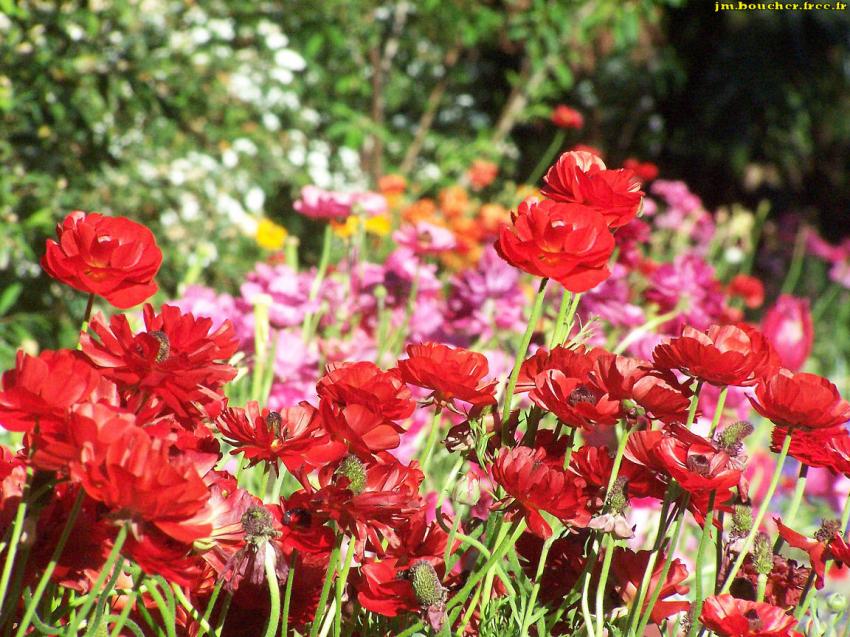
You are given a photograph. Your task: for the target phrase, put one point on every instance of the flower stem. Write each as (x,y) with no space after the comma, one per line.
(609,546)
(796,499)
(269,563)
(536,311)
(700,565)
(761,587)
(308,327)
(547,156)
(87,315)
(748,541)
(287,596)
(326,589)
(718,410)
(15,540)
(340,586)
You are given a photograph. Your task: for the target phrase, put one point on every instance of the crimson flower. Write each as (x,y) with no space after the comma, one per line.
(564,116)
(731,617)
(788,326)
(645,170)
(362,430)
(451,373)
(723,355)
(176,365)
(580,177)
(45,387)
(567,242)
(748,288)
(800,399)
(575,362)
(629,568)
(112,257)
(536,486)
(366,384)
(785,582)
(826,544)
(662,397)
(572,401)
(824,448)
(595,464)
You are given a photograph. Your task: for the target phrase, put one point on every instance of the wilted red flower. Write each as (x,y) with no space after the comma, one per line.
(366,384)
(748,288)
(567,242)
(788,326)
(565,117)
(731,617)
(362,430)
(826,544)
(453,373)
(45,387)
(482,173)
(573,402)
(629,567)
(536,485)
(785,582)
(176,364)
(802,400)
(723,355)
(580,177)
(112,257)
(645,170)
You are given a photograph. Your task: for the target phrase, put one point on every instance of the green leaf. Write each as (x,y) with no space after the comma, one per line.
(10,296)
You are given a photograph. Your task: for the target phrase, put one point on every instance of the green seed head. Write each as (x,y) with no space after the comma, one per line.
(732,437)
(258,524)
(763,555)
(426,584)
(618,499)
(355,471)
(742,520)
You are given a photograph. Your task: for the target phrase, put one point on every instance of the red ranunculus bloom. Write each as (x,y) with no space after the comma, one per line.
(574,403)
(629,567)
(595,464)
(362,430)
(366,384)
(452,373)
(731,617)
(536,485)
(45,387)
(177,364)
(581,178)
(645,170)
(801,400)
(826,544)
(748,288)
(112,257)
(723,355)
(569,243)
(662,397)
(565,117)
(788,326)
(575,363)
(825,448)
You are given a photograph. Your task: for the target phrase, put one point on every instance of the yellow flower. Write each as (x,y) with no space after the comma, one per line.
(347,228)
(270,235)
(379,225)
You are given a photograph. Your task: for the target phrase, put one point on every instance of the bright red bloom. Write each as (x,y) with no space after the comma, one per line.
(252,431)
(177,364)
(788,326)
(575,363)
(573,402)
(112,257)
(825,448)
(617,375)
(629,567)
(366,384)
(536,485)
(45,387)
(581,178)
(801,400)
(748,288)
(362,430)
(567,242)
(595,465)
(731,617)
(452,373)
(826,544)
(662,397)
(645,170)
(723,355)
(565,117)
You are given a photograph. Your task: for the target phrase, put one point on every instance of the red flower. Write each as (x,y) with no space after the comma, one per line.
(826,544)
(800,400)
(111,257)
(252,431)
(569,243)
(482,173)
(645,170)
(362,430)
(731,617)
(629,568)
(573,402)
(176,365)
(595,464)
(788,326)
(581,178)
(452,373)
(538,486)
(662,397)
(825,448)
(366,384)
(748,288)
(575,363)
(723,355)
(45,387)
(565,117)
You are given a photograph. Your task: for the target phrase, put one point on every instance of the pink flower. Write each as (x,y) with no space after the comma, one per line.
(788,327)
(425,238)
(318,203)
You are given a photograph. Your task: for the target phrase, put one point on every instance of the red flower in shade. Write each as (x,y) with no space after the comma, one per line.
(569,243)
(452,373)
(580,177)
(112,257)
(538,486)
(731,617)
(141,482)
(565,117)
(176,365)
(629,567)
(788,326)
(748,288)
(800,400)
(366,384)
(45,387)
(785,582)
(564,564)
(362,430)
(645,170)
(572,401)
(723,355)
(826,544)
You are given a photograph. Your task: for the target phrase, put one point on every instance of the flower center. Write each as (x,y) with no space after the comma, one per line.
(753,620)
(580,394)
(698,463)
(164,350)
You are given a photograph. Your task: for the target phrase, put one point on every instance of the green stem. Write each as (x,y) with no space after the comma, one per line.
(326,589)
(796,500)
(748,541)
(94,625)
(718,410)
(700,565)
(547,156)
(561,318)
(287,596)
(795,268)
(433,434)
(15,541)
(761,587)
(274,590)
(51,565)
(609,546)
(128,607)
(308,327)
(536,311)
(222,617)
(340,586)
(585,603)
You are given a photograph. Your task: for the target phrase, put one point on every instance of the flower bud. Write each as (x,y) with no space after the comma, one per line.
(742,520)
(837,603)
(467,491)
(762,554)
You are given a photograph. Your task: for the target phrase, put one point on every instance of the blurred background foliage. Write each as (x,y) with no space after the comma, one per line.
(200,118)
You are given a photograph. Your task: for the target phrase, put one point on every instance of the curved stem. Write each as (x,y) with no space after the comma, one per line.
(269,563)
(796,500)
(326,589)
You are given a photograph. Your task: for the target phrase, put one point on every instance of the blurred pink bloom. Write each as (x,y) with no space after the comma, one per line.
(425,238)
(318,203)
(688,282)
(788,327)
